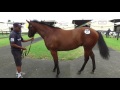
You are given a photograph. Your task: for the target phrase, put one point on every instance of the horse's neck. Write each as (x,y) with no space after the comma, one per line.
(44,30)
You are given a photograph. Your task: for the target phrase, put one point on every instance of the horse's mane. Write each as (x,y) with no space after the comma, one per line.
(42,22)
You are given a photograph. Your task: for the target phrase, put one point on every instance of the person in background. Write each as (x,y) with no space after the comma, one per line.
(107,33)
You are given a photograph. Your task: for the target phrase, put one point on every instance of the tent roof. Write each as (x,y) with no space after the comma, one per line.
(80,22)
(115,20)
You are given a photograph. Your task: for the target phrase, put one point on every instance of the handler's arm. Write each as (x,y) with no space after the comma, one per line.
(15,45)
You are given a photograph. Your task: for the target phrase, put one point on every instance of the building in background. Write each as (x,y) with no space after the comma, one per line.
(116,24)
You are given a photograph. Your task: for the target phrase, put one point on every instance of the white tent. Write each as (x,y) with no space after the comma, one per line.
(4,27)
(102,25)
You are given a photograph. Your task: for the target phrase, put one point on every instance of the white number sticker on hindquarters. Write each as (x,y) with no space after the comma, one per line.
(87,31)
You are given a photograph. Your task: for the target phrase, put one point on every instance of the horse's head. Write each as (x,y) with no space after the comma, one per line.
(31,29)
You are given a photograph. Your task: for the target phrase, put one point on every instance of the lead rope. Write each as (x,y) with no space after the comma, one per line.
(26,51)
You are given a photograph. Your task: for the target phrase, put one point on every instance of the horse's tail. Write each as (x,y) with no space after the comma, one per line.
(104,51)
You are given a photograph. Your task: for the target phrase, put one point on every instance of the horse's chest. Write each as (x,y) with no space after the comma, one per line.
(50,44)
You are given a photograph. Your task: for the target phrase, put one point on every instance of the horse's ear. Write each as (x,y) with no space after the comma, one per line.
(27,21)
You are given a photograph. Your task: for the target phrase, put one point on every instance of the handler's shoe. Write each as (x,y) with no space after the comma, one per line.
(22,74)
(19,76)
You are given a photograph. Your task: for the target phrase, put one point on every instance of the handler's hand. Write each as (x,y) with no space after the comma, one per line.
(24,49)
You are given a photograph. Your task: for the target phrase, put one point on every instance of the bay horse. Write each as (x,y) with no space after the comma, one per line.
(57,39)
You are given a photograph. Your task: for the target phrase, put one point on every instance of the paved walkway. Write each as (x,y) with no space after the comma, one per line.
(43,68)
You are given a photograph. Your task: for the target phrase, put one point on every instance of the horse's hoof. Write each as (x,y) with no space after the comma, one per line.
(78,72)
(57,76)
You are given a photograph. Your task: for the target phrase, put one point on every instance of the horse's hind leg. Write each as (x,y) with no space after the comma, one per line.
(93,61)
(55,67)
(55,57)
(86,56)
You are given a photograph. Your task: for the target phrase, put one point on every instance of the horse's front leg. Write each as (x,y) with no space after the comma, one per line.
(56,63)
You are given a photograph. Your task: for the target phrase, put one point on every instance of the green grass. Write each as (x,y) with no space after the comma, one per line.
(5,41)
(39,51)
(4,35)
(113,43)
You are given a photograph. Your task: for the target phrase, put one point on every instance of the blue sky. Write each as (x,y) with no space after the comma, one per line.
(58,16)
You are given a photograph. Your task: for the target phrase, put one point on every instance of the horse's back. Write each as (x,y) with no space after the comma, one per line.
(78,35)
(67,40)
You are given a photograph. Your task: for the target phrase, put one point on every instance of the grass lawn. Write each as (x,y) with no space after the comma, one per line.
(5,41)
(4,35)
(113,43)
(39,51)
